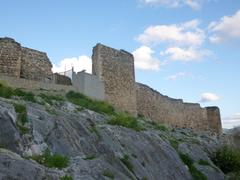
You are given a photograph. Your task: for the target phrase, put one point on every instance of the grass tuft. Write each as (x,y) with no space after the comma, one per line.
(108,174)
(125,120)
(127,163)
(49,160)
(196,174)
(66,177)
(84,101)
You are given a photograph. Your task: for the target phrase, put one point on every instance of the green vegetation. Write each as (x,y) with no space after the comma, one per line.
(22,113)
(27,96)
(66,177)
(174,142)
(49,160)
(125,120)
(8,92)
(227,159)
(50,98)
(196,174)
(89,157)
(21,118)
(159,126)
(94,129)
(84,101)
(108,174)
(204,162)
(5,91)
(127,163)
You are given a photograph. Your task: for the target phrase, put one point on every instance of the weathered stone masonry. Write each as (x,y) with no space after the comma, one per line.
(10,57)
(116,69)
(160,108)
(23,62)
(113,80)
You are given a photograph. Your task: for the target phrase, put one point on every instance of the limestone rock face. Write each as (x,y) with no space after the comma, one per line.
(9,134)
(96,149)
(12,166)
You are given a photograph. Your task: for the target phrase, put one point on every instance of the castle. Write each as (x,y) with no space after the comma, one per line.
(112,80)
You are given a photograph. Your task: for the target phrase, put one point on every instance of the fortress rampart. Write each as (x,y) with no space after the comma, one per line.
(18,61)
(112,79)
(151,104)
(116,69)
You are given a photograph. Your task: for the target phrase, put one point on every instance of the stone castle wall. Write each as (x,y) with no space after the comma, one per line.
(35,65)
(23,62)
(163,109)
(116,69)
(214,119)
(10,57)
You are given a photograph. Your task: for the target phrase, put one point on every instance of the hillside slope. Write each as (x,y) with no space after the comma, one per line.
(44,136)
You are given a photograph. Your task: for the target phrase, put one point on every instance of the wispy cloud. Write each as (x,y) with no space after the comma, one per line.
(194,4)
(186,54)
(144,59)
(184,41)
(209,97)
(187,33)
(177,76)
(227,28)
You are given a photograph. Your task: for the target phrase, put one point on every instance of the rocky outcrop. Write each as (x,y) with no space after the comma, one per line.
(96,149)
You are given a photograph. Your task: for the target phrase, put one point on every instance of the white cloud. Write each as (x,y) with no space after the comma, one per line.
(231,121)
(194,4)
(177,76)
(186,54)
(79,63)
(228,27)
(208,97)
(187,33)
(144,59)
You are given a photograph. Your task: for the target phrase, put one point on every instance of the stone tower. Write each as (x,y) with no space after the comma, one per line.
(214,119)
(10,57)
(116,69)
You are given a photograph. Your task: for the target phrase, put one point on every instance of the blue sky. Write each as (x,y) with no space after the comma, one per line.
(185,49)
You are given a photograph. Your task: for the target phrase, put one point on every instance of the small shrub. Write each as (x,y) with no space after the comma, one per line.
(196,174)
(203,162)
(55,160)
(89,157)
(28,96)
(127,163)
(66,177)
(227,159)
(159,126)
(84,101)
(125,120)
(108,174)
(22,113)
(174,143)
(21,118)
(5,91)
(50,98)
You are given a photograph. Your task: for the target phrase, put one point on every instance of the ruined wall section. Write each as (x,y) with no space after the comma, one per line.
(163,109)
(214,119)
(116,69)
(10,57)
(35,65)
